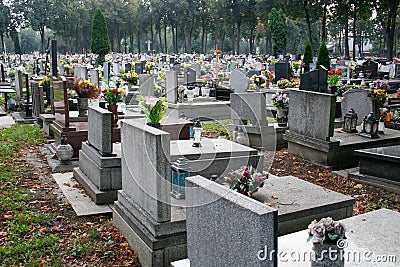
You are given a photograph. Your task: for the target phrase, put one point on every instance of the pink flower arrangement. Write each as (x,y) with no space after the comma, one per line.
(245,180)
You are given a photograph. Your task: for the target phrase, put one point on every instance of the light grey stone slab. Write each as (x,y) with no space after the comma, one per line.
(171,86)
(359,100)
(94,76)
(81,203)
(299,202)
(100,129)
(239,81)
(312,114)
(249,106)
(146,171)
(216,235)
(146,86)
(370,237)
(215,156)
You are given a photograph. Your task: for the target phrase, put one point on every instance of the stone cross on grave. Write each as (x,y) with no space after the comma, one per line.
(148,42)
(216,60)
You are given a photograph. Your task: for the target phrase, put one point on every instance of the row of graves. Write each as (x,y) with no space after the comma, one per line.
(168,194)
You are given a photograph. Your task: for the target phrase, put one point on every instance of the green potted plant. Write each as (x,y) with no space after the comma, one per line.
(154,109)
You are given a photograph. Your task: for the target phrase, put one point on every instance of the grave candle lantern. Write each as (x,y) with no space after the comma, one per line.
(370,127)
(197,134)
(350,121)
(180,171)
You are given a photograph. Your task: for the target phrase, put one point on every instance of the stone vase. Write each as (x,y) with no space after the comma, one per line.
(64,151)
(327,255)
(113,108)
(155,125)
(281,117)
(83,104)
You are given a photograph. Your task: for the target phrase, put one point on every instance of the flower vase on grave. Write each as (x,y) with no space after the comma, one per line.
(155,125)
(327,254)
(113,108)
(281,117)
(267,84)
(83,104)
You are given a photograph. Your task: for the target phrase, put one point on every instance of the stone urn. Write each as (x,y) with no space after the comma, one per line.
(83,105)
(64,151)
(281,117)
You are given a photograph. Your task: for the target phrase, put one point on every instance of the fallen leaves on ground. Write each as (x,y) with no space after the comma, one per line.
(367,197)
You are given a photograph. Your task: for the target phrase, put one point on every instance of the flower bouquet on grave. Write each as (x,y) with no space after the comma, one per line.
(258,79)
(113,96)
(150,65)
(86,89)
(45,83)
(284,83)
(130,77)
(334,77)
(245,180)
(154,109)
(326,231)
(384,85)
(280,100)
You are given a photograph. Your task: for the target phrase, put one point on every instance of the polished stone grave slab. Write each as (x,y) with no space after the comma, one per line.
(380,167)
(299,202)
(371,241)
(215,156)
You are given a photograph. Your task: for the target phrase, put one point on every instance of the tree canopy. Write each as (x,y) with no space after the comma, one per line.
(238,26)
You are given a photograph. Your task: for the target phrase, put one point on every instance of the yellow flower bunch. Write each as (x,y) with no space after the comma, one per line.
(86,89)
(379,97)
(130,77)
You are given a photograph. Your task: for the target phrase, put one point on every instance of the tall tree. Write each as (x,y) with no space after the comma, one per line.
(323,56)
(308,57)
(278,27)
(386,11)
(100,43)
(39,14)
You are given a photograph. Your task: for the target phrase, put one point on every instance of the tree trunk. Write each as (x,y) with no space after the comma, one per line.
(323,32)
(308,23)
(346,33)
(42,38)
(391,27)
(165,38)
(354,32)
(138,42)
(130,40)
(173,39)
(238,28)
(203,30)
(160,40)
(2,43)
(152,39)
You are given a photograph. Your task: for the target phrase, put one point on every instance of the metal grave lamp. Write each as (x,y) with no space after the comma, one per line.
(350,121)
(370,127)
(381,125)
(197,134)
(180,171)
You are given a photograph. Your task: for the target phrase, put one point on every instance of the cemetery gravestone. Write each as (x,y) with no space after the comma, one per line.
(315,80)
(81,72)
(239,81)
(94,76)
(139,68)
(189,76)
(99,170)
(147,86)
(359,100)
(106,66)
(116,69)
(211,214)
(197,69)
(281,71)
(171,86)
